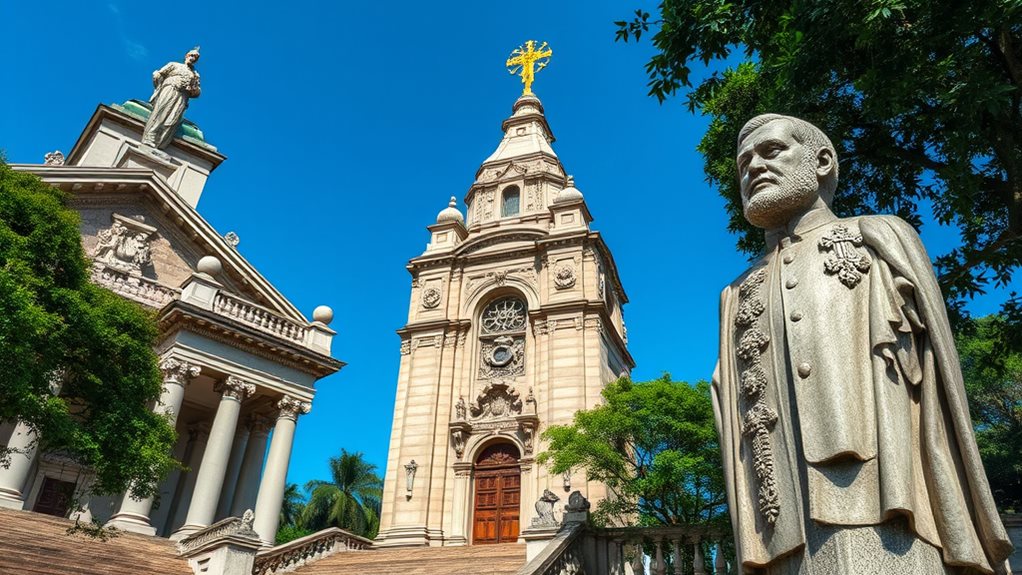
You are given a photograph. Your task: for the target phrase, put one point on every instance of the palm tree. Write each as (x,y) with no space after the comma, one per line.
(350,500)
(292,506)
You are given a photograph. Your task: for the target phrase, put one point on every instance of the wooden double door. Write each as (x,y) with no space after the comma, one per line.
(498,495)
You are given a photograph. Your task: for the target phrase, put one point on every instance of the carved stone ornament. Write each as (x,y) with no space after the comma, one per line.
(497,400)
(236,388)
(291,408)
(503,356)
(846,262)
(458,436)
(545,506)
(178,371)
(504,315)
(410,470)
(54,158)
(577,502)
(564,276)
(124,245)
(232,239)
(460,408)
(758,419)
(431,297)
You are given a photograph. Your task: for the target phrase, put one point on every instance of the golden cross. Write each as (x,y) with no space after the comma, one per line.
(526,60)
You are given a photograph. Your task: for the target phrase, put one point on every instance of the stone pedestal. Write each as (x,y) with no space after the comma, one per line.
(537,538)
(1013,524)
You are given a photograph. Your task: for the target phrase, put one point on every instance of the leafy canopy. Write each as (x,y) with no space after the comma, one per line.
(77,361)
(920,97)
(993,381)
(654,445)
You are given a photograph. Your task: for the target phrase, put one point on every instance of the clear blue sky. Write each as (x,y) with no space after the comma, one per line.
(347,126)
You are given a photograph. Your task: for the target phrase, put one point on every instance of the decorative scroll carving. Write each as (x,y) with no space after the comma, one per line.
(758,418)
(564,276)
(227,528)
(526,273)
(124,245)
(458,436)
(496,400)
(291,407)
(54,158)
(846,262)
(431,297)
(484,205)
(236,388)
(410,470)
(528,435)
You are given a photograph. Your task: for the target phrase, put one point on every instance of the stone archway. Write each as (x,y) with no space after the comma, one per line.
(498,491)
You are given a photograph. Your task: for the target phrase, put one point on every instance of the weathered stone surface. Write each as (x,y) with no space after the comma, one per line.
(846,438)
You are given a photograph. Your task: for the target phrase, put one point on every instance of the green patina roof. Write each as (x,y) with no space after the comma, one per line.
(188,130)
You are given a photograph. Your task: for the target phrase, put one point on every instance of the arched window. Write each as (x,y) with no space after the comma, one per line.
(512,200)
(502,338)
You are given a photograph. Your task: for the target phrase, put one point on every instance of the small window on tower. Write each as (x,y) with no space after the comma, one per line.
(512,201)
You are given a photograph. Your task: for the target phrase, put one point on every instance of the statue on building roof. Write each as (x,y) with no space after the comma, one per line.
(174,84)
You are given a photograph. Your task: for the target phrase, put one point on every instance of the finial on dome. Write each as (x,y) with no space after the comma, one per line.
(451,213)
(568,194)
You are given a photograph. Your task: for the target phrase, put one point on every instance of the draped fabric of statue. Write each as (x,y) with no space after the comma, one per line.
(175,84)
(845,432)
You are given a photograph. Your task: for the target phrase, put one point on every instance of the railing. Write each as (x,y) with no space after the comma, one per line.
(258,317)
(290,556)
(137,288)
(579,549)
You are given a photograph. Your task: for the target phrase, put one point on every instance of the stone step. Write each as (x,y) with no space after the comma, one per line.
(504,559)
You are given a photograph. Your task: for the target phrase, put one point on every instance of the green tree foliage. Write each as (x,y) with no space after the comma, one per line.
(921,97)
(654,445)
(58,329)
(993,381)
(292,505)
(349,500)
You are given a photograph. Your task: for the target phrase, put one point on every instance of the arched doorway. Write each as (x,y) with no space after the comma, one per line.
(498,494)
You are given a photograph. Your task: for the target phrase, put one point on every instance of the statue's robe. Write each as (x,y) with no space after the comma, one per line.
(178,82)
(866,452)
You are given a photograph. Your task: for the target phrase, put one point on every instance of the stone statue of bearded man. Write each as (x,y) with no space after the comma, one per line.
(844,429)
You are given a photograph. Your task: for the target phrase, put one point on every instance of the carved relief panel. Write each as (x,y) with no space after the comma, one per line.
(502,339)
(124,245)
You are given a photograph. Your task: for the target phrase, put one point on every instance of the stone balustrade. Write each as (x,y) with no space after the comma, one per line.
(290,556)
(256,316)
(671,550)
(134,287)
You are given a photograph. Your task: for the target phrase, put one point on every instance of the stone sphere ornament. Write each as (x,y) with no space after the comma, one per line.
(209,265)
(323,314)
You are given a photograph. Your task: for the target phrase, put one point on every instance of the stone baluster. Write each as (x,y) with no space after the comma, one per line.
(677,556)
(658,566)
(616,557)
(133,514)
(210,479)
(22,446)
(719,564)
(698,562)
(271,488)
(638,568)
(251,466)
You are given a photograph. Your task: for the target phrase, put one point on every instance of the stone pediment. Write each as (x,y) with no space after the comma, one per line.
(145,240)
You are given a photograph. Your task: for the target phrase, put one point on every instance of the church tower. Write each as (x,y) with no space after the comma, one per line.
(514,324)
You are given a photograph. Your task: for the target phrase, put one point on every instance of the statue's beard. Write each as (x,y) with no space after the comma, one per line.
(774,207)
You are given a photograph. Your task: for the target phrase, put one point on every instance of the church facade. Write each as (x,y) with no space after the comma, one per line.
(514,324)
(239,360)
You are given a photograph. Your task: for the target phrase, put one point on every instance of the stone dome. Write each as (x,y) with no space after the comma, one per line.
(451,213)
(569,194)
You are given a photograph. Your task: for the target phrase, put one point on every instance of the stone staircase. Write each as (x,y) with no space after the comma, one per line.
(503,559)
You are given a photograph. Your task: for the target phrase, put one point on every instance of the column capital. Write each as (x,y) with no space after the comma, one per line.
(178,371)
(235,388)
(291,408)
(259,423)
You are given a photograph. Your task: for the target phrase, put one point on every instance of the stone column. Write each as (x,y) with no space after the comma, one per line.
(251,466)
(271,488)
(210,479)
(12,479)
(233,469)
(198,435)
(133,514)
